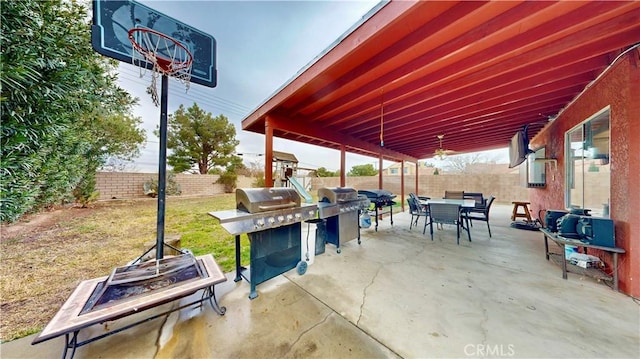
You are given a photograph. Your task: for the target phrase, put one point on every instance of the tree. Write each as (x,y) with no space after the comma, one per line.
(323,172)
(362,170)
(465,163)
(62,111)
(200,141)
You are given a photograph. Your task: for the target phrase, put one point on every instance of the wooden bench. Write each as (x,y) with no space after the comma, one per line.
(69,320)
(567,267)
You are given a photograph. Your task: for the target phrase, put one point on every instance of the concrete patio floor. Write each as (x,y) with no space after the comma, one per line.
(398,294)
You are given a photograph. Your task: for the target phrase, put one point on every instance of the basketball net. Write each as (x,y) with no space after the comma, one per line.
(164,54)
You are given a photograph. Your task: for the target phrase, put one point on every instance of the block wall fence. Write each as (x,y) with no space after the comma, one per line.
(505,187)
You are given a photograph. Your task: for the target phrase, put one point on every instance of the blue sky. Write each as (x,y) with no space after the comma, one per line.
(260,46)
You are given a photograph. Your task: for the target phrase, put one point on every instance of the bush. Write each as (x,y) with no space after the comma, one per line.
(230,181)
(172,187)
(259,182)
(85,192)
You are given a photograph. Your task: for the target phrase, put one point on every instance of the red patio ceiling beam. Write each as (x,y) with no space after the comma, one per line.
(458,19)
(348,69)
(453,126)
(496,115)
(494,97)
(509,82)
(299,126)
(485,58)
(395,127)
(616,41)
(459,141)
(407,121)
(438,57)
(486,80)
(391,12)
(468,63)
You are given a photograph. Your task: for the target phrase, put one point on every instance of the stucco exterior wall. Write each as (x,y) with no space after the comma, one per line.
(619,88)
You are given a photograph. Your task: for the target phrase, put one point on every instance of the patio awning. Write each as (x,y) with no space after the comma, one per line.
(475,72)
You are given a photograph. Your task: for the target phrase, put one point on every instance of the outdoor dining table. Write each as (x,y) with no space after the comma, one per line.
(464,205)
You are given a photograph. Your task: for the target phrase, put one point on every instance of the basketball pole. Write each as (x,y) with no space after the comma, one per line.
(162,167)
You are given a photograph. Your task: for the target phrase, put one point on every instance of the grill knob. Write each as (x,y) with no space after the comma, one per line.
(311,213)
(271,220)
(298,216)
(289,217)
(260,223)
(280,218)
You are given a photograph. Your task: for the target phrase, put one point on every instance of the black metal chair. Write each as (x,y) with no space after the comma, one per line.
(446,213)
(480,215)
(419,200)
(454,194)
(481,202)
(417,211)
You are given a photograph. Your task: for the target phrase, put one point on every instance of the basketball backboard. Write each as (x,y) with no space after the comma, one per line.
(113,19)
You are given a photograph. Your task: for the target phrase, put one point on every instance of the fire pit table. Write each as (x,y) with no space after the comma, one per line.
(104,299)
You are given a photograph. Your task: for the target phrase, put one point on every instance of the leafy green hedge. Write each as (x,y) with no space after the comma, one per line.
(62,111)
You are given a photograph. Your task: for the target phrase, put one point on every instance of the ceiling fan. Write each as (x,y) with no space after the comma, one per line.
(441,153)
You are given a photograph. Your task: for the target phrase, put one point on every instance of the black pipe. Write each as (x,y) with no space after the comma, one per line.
(162,167)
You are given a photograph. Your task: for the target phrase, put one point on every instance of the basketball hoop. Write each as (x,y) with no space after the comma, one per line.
(168,56)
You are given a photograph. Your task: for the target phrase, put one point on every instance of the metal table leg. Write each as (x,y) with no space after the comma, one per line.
(564,262)
(238,264)
(615,271)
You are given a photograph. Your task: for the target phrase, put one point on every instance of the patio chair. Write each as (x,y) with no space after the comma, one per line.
(483,215)
(446,213)
(417,211)
(454,194)
(481,202)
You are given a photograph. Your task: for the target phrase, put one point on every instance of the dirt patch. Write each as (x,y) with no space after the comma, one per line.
(32,224)
(44,256)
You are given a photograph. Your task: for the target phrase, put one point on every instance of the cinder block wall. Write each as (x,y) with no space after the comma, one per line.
(505,187)
(124,185)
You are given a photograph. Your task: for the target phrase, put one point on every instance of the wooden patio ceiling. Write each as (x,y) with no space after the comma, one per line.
(474,71)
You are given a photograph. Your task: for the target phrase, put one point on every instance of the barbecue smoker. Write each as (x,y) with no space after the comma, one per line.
(379,199)
(340,207)
(271,217)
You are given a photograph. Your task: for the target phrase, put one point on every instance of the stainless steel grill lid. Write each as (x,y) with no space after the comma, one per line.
(337,194)
(256,200)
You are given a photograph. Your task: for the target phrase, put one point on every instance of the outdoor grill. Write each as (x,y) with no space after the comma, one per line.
(340,207)
(271,217)
(379,199)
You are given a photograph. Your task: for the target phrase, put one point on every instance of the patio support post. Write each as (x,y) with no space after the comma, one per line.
(402,183)
(268,152)
(342,165)
(417,168)
(380,171)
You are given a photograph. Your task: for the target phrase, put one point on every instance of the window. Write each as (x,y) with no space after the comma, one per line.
(587,165)
(394,171)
